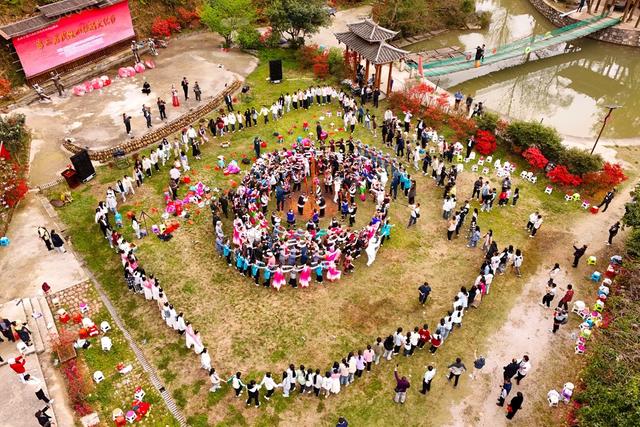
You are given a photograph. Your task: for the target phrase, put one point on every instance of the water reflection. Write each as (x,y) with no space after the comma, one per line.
(569,91)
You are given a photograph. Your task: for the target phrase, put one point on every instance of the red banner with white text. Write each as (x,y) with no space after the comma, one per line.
(73,37)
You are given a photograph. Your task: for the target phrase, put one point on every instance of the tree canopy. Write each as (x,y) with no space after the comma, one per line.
(227,16)
(297,18)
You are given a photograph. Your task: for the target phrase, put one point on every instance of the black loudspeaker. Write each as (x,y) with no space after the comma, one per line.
(275,70)
(82,164)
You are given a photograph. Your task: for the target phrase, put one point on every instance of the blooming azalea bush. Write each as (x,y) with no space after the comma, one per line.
(5,87)
(188,18)
(535,158)
(164,27)
(609,176)
(462,126)
(561,175)
(485,142)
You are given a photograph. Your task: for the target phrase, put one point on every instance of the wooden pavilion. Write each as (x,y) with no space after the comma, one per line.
(368,40)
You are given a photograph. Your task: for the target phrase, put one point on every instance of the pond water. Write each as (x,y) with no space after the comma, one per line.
(569,91)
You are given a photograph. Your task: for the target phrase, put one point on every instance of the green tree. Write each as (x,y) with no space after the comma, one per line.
(227,16)
(297,18)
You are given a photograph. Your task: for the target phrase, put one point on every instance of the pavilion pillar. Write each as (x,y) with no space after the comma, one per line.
(632,9)
(366,72)
(376,83)
(356,61)
(625,11)
(597,6)
(389,78)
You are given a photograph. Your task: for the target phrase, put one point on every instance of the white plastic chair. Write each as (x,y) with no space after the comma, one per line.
(105,327)
(578,306)
(98,377)
(106,343)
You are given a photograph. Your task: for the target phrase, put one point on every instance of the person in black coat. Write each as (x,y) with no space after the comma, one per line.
(318,130)
(57,241)
(256,146)
(515,405)
(229,101)
(577,254)
(127,123)
(607,199)
(510,370)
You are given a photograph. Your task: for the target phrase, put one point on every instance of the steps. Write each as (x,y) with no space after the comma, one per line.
(34,319)
(40,321)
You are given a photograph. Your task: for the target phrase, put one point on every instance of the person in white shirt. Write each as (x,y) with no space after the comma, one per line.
(426,379)
(287,102)
(215,381)
(269,384)
(532,219)
(127,183)
(457,317)
(415,214)
(146,165)
(388,115)
(407,120)
(205,360)
(536,226)
(524,366)
(398,341)
(327,383)
(231,121)
(240,120)
(236,383)
(318,380)
(174,174)
(517,262)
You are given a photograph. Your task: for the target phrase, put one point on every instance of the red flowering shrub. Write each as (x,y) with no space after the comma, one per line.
(321,65)
(307,55)
(164,27)
(485,142)
(535,158)
(414,98)
(610,176)
(188,17)
(77,388)
(561,175)
(5,87)
(462,126)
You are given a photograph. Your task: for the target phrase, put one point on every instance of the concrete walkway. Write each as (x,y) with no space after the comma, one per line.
(26,263)
(95,119)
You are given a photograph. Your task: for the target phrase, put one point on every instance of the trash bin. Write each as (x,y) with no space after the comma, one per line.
(71,176)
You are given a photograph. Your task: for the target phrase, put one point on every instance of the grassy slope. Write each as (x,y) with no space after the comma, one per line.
(254,329)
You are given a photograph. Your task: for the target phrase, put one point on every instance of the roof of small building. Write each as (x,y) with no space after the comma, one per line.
(371,31)
(49,14)
(379,52)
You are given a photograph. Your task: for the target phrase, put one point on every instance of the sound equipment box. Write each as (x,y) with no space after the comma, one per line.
(82,164)
(275,71)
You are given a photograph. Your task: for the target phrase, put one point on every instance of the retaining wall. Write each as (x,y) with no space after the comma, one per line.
(614,35)
(133,145)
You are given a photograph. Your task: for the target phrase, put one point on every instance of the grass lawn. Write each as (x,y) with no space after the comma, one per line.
(116,390)
(253,329)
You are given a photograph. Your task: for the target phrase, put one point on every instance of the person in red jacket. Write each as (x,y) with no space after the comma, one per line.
(436,341)
(566,299)
(17,365)
(425,335)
